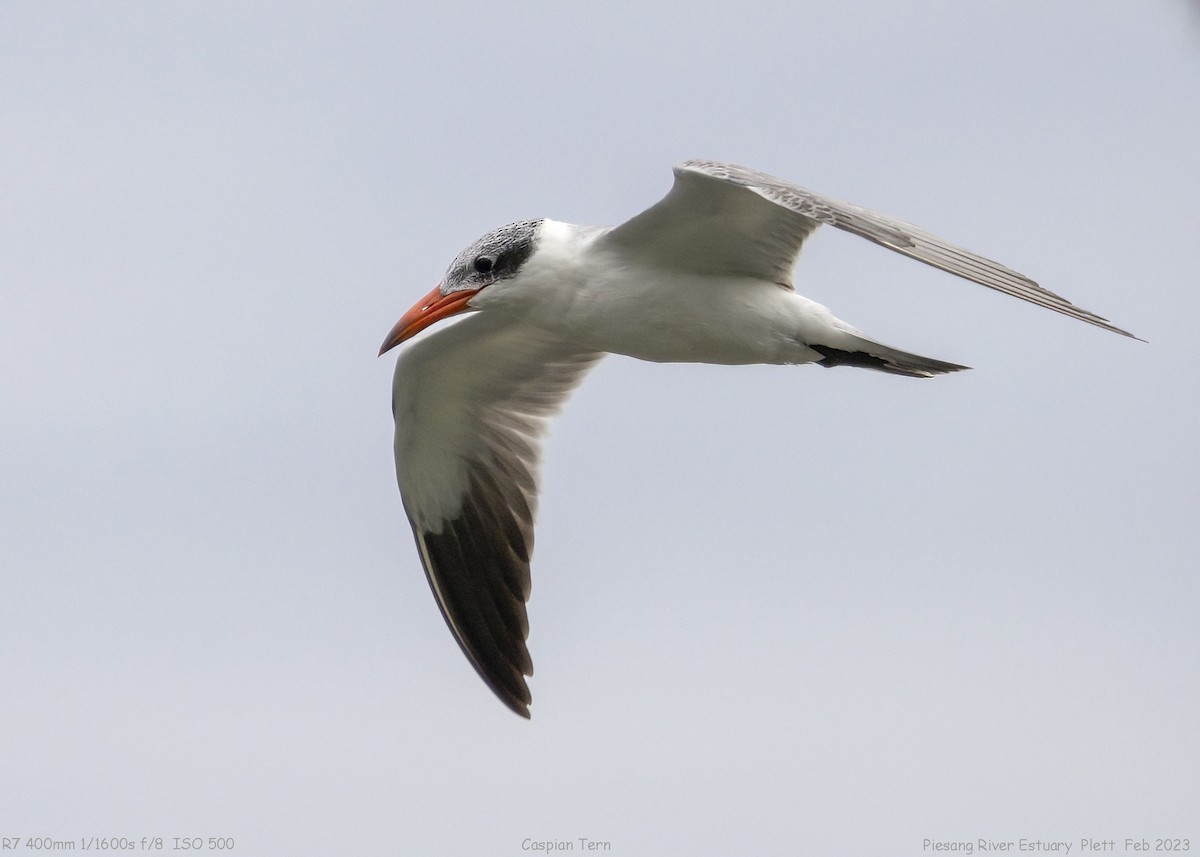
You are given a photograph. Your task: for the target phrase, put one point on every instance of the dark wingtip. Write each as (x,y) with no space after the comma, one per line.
(890,360)
(517,704)
(1108,325)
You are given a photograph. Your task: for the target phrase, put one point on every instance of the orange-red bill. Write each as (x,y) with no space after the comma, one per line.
(433,307)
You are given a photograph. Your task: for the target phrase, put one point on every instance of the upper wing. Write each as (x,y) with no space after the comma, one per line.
(723,218)
(471,404)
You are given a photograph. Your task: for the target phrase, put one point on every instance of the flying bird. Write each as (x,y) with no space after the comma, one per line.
(703,276)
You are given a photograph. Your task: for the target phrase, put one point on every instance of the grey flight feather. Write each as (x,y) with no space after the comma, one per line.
(709,216)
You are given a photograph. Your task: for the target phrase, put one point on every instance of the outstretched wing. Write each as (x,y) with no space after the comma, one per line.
(727,219)
(471,404)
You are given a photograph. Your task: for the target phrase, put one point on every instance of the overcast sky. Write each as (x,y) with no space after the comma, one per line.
(776,610)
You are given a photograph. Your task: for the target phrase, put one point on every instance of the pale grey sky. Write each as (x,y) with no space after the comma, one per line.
(775,610)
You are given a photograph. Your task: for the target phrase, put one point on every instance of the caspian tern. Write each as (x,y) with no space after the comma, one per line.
(702,276)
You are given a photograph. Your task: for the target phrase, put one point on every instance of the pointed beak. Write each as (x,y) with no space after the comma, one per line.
(433,307)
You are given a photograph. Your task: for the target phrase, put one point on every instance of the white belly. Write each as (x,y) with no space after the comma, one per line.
(680,318)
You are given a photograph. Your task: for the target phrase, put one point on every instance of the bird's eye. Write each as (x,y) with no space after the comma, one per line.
(484,264)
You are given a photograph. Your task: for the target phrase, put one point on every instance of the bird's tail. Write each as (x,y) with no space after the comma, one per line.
(874,355)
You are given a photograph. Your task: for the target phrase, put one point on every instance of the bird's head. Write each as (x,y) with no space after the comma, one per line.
(495,257)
